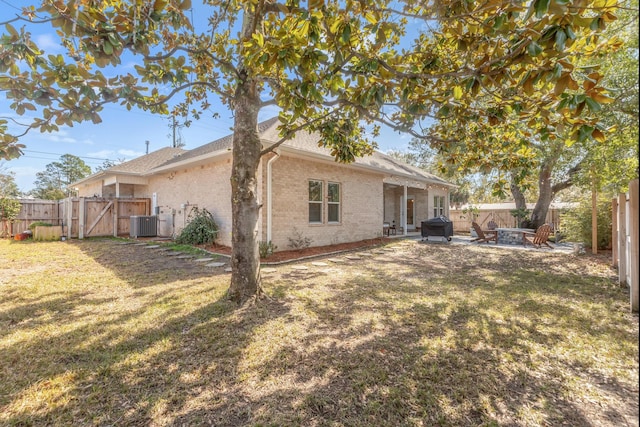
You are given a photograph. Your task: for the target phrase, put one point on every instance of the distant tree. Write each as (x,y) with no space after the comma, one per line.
(9,205)
(53,183)
(428,159)
(106,164)
(8,186)
(534,156)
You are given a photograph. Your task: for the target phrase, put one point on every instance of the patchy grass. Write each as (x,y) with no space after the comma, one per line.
(99,333)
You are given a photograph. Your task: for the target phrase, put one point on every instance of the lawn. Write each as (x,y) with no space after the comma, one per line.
(98,333)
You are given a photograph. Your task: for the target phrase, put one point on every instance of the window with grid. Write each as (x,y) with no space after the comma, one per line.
(333,202)
(315,202)
(438,206)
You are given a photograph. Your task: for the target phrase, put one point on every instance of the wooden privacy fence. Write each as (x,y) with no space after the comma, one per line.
(32,211)
(502,217)
(624,241)
(82,217)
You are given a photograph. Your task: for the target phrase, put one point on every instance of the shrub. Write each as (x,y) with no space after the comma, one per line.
(298,241)
(576,223)
(9,210)
(201,229)
(35,224)
(521,217)
(266,249)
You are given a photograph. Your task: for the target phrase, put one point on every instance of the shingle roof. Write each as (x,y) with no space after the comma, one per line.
(147,162)
(138,165)
(309,143)
(224,143)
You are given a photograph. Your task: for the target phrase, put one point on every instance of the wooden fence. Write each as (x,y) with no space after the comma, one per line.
(32,211)
(81,217)
(502,217)
(624,240)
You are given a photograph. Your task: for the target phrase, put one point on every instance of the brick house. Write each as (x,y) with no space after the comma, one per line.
(303,191)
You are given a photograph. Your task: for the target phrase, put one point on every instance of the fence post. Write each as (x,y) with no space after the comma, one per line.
(633,233)
(622,240)
(614,232)
(68,206)
(81,207)
(115,217)
(594,217)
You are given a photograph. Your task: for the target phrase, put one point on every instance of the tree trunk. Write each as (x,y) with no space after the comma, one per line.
(518,196)
(545,196)
(245,256)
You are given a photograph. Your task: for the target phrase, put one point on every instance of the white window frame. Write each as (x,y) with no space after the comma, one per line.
(316,202)
(332,203)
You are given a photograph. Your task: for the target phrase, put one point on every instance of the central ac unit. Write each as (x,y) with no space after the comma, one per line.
(143,226)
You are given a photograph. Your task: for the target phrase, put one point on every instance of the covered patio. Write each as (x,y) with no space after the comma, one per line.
(409,202)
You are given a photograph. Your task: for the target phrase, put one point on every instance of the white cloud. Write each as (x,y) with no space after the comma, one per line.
(25,176)
(58,137)
(24,171)
(64,136)
(102,154)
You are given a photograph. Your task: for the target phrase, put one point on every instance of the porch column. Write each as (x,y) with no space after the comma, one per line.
(117,188)
(404,209)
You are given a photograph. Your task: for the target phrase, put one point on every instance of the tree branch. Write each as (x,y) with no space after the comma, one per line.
(294,130)
(571,173)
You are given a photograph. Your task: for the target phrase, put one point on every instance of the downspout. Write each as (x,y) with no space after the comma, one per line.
(404,208)
(269,191)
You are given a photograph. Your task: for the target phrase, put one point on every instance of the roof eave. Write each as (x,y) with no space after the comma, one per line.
(187,162)
(89,178)
(285,148)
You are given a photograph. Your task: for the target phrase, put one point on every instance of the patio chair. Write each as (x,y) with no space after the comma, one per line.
(484,235)
(539,238)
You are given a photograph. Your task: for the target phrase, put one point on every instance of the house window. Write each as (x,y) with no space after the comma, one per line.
(438,206)
(315,202)
(333,202)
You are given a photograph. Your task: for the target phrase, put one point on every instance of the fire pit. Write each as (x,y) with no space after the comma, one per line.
(438,226)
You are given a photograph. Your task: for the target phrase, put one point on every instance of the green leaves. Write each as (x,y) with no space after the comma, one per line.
(541,7)
(534,49)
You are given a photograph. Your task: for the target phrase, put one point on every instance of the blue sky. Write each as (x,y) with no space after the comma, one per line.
(122,135)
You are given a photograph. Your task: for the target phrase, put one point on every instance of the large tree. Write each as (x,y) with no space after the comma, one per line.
(53,183)
(545,157)
(328,65)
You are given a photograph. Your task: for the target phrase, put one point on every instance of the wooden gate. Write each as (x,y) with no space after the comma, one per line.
(92,217)
(82,217)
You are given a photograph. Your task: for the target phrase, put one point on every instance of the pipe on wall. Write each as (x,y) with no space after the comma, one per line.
(269,193)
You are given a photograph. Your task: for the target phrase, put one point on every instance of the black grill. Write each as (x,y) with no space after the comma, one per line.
(438,226)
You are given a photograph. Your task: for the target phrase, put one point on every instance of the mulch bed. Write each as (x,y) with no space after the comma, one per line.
(290,255)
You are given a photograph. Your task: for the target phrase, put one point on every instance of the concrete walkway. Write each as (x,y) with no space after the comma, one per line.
(351,256)
(565,247)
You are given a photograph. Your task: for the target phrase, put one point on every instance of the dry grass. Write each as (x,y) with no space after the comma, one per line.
(96,333)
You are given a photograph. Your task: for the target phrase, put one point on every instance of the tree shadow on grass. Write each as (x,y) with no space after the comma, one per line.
(381,343)
(140,267)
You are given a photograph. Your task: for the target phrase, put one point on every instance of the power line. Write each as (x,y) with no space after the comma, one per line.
(58,154)
(10,5)
(49,158)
